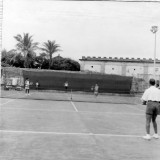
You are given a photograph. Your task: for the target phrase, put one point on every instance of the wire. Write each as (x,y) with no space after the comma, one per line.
(153,1)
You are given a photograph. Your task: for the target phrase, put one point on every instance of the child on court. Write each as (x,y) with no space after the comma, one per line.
(27,86)
(66,86)
(96,88)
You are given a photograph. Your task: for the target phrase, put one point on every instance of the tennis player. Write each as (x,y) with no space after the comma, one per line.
(96,88)
(66,86)
(151,97)
(37,85)
(27,86)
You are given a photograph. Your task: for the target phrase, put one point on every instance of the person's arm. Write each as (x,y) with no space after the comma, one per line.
(159,96)
(144,98)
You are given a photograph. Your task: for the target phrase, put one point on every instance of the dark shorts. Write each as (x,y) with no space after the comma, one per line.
(153,108)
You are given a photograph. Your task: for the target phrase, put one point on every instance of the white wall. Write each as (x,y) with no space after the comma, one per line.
(151,70)
(92,67)
(134,70)
(129,68)
(113,69)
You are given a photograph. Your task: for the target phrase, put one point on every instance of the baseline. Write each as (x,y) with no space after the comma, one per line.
(68,133)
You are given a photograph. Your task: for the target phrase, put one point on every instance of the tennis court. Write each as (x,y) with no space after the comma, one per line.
(49,126)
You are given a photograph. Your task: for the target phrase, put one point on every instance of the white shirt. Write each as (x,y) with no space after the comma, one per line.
(66,84)
(152,94)
(27,83)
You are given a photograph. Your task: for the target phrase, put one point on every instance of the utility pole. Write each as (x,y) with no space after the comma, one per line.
(154,30)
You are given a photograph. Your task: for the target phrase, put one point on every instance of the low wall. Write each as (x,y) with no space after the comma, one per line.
(78,81)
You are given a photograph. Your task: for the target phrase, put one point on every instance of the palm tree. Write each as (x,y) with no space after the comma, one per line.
(6,56)
(26,46)
(12,58)
(50,47)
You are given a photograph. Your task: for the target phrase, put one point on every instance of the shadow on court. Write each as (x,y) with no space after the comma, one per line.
(65,130)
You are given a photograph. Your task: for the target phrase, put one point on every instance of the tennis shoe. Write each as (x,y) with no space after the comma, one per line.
(156,136)
(147,137)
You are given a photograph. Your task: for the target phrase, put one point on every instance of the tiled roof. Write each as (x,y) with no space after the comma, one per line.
(121,59)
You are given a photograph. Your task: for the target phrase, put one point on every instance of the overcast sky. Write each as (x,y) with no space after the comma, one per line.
(85,28)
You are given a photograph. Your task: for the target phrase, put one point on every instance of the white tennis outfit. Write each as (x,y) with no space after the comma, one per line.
(151,94)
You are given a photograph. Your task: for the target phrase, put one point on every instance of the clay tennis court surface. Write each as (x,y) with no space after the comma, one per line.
(34,129)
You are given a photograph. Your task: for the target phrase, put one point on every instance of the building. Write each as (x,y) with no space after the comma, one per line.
(139,68)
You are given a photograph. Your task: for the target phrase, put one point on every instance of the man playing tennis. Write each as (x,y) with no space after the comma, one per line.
(151,97)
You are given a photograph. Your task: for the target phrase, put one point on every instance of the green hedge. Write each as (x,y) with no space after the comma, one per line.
(78,81)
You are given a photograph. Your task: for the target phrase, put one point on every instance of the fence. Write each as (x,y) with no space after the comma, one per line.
(79,81)
(50,79)
(141,82)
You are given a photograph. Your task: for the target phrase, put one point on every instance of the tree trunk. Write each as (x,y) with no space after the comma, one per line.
(50,62)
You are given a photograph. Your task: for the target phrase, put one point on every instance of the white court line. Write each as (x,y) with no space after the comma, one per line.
(74,106)
(91,112)
(70,99)
(127,106)
(124,104)
(8,98)
(7,102)
(67,133)
(12,100)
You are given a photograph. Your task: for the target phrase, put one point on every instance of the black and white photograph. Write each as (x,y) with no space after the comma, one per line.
(80,80)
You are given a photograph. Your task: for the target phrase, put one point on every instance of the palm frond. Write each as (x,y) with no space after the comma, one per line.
(18,38)
(50,47)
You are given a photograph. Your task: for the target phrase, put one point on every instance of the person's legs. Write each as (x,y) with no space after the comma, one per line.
(27,91)
(148,121)
(149,113)
(155,126)
(154,123)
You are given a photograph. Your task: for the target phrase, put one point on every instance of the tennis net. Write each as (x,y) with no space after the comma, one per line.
(71,96)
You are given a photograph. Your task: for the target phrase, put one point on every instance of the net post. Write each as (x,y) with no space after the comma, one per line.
(71,94)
